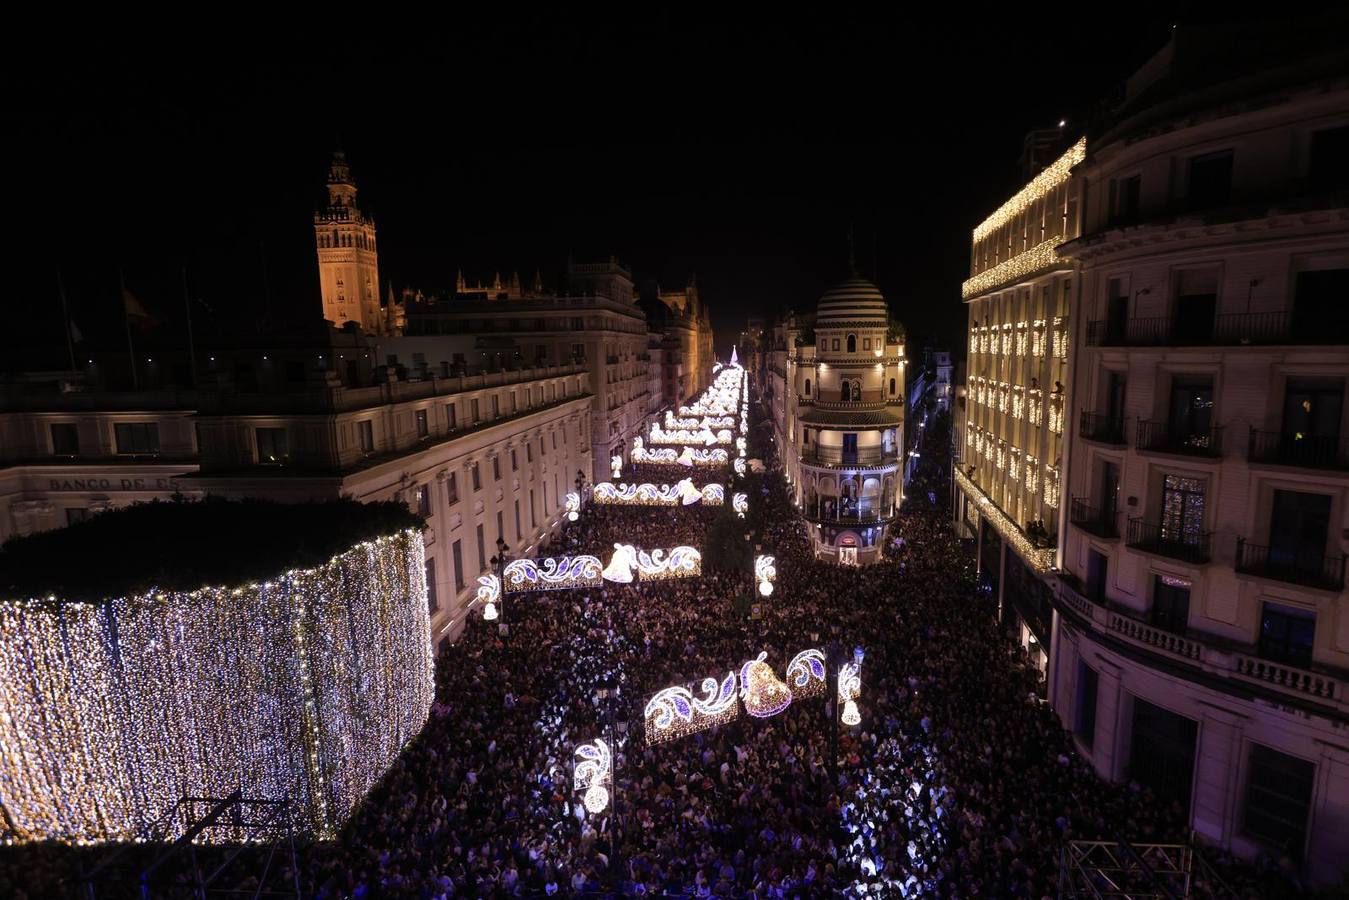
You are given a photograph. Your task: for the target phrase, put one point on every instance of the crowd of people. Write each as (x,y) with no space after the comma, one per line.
(959,781)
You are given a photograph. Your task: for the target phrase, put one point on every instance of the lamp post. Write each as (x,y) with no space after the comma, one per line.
(607,697)
(499,563)
(580,487)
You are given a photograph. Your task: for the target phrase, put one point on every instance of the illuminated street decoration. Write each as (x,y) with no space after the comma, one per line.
(740,467)
(682,492)
(765,572)
(573,505)
(553,573)
(764,695)
(696,457)
(740,503)
(593,774)
(616,466)
(641,454)
(675,712)
(489,593)
(806,674)
(849,689)
(110,712)
(705,436)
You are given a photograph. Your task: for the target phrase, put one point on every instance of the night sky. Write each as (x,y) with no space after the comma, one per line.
(740,149)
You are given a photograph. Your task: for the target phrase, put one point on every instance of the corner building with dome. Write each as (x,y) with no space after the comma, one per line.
(836,388)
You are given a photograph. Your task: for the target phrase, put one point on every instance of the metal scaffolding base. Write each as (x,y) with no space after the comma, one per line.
(252,838)
(1123,871)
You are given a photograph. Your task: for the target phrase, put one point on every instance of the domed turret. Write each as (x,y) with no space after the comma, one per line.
(853,301)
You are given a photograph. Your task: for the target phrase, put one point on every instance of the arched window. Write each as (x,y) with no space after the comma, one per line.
(807,387)
(857,390)
(844,391)
(892,385)
(852,343)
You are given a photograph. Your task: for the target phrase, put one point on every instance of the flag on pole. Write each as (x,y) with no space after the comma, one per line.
(135,311)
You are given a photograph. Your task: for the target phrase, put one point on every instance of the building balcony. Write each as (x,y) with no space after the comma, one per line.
(1230,330)
(1202,655)
(1160,437)
(1306,568)
(1093,520)
(1102,429)
(1304,451)
(824,515)
(836,456)
(1150,538)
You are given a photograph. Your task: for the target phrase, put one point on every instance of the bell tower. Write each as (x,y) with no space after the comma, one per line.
(348,260)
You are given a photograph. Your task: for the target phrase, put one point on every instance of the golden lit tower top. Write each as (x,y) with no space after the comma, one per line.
(347,254)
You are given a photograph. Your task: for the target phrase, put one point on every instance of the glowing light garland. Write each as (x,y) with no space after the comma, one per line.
(1036,557)
(740,467)
(306,687)
(489,593)
(593,773)
(740,503)
(553,573)
(806,674)
(627,563)
(1050,178)
(704,436)
(675,712)
(616,466)
(683,492)
(573,506)
(696,457)
(764,695)
(641,454)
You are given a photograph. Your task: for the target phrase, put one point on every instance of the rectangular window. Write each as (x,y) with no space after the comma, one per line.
(514,407)
(137,437)
(866,343)
(475,410)
(533,511)
(367,429)
(1098,567)
(1278,799)
(1182,510)
(477,476)
(1196,292)
(450,422)
(501,528)
(835,344)
(424,500)
(457,552)
(423,428)
(1170,603)
(76,514)
(1124,196)
(578,324)
(482,551)
(65,439)
(518,532)
(1326,170)
(452,488)
(496,468)
(1299,524)
(1287,634)
(1088,685)
(272,445)
(1312,409)
(1162,751)
(515,461)
(1320,314)
(578,351)
(432,603)
(529,452)
(1191,413)
(1210,180)
(496,407)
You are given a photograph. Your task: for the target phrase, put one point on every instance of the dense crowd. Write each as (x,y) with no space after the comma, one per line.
(960,781)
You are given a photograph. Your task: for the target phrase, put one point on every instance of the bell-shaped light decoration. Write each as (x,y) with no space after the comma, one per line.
(596,798)
(766,588)
(763,692)
(489,612)
(850,714)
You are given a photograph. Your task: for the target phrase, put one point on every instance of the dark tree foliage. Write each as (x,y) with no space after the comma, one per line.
(183,545)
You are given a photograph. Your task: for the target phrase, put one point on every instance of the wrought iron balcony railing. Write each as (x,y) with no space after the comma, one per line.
(1152,538)
(1103,523)
(1105,429)
(836,456)
(1305,567)
(1291,449)
(1162,438)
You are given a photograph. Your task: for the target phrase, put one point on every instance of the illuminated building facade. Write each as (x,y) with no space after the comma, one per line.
(1202,632)
(479,454)
(348,257)
(838,403)
(595,322)
(1008,480)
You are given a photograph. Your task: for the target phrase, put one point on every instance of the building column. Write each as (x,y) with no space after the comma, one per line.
(1109,748)
(1329,821)
(1218,760)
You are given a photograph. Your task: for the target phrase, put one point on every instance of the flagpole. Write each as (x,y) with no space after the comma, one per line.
(65,316)
(126,320)
(191,347)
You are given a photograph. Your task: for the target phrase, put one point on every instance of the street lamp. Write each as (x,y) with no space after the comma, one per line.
(499,563)
(580,486)
(607,698)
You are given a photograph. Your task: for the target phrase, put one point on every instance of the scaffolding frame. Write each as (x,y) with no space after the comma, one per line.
(233,823)
(1118,870)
